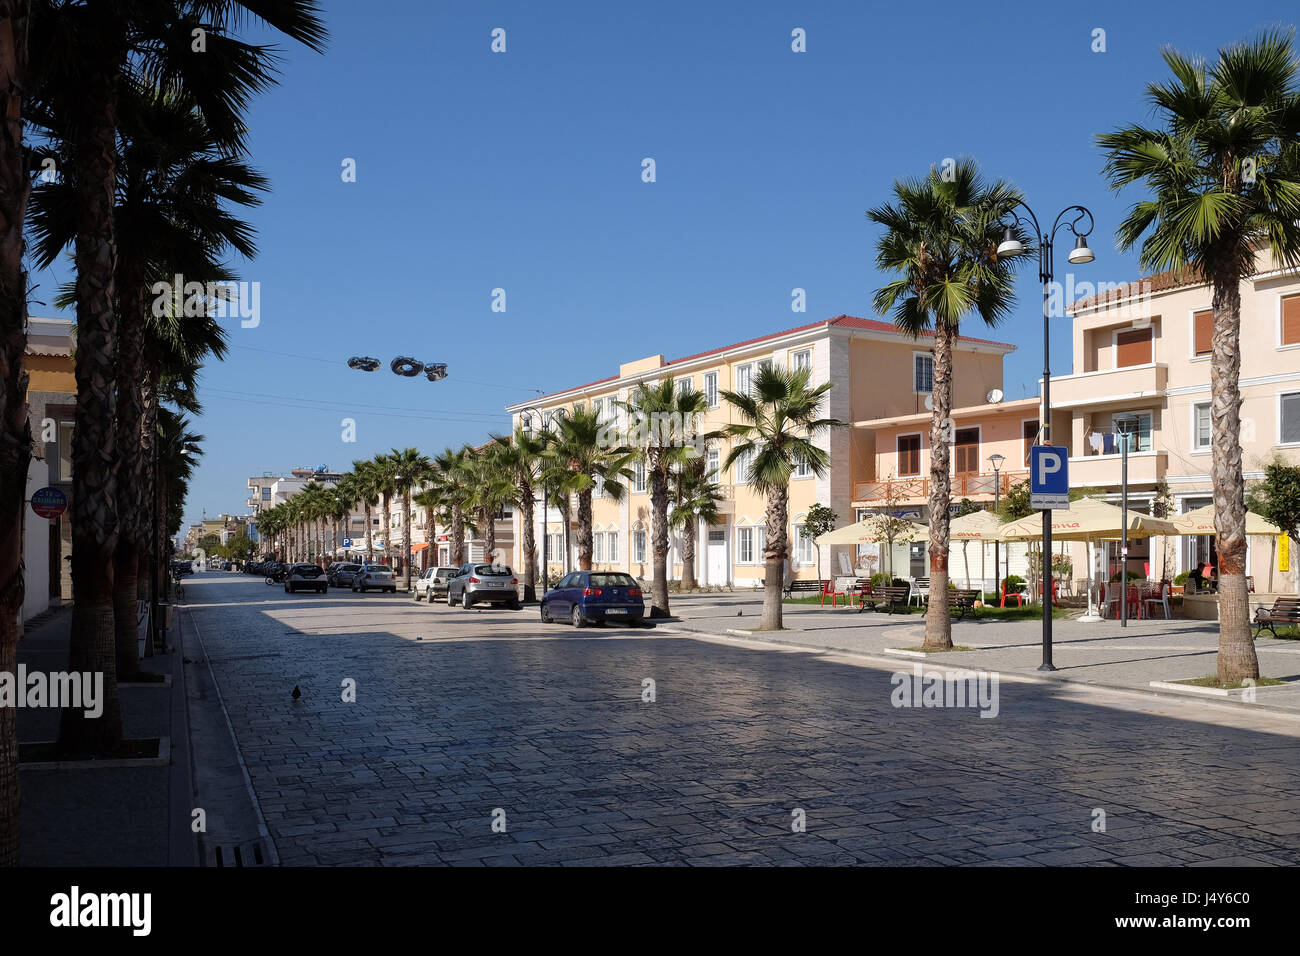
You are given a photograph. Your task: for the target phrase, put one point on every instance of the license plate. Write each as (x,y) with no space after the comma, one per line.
(616,610)
(496,584)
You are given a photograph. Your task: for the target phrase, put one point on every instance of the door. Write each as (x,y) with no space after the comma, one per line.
(965,457)
(918,561)
(717,555)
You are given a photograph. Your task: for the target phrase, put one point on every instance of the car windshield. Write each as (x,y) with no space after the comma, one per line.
(443,572)
(491,569)
(612,581)
(379,567)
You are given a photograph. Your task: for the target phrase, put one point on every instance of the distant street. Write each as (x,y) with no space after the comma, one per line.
(462,718)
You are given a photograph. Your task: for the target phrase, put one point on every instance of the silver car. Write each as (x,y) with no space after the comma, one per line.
(484,584)
(431,583)
(375,577)
(304,577)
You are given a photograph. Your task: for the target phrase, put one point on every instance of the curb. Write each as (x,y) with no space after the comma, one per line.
(162,760)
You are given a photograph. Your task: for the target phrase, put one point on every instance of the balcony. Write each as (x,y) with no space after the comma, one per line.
(1103,471)
(917,490)
(1112,385)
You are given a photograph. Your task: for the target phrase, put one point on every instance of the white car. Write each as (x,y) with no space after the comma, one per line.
(375,577)
(431,583)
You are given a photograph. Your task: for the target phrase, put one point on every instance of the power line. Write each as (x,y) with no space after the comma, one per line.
(343,406)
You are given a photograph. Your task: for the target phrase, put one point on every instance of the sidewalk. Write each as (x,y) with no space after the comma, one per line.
(120,813)
(1101,654)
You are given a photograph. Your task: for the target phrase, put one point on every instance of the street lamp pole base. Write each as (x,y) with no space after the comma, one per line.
(1089,619)
(1046,667)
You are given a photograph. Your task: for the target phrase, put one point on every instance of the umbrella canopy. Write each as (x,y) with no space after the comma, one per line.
(864,533)
(1087,519)
(1201,521)
(976,526)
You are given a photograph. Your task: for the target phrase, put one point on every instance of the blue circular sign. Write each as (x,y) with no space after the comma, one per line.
(49,502)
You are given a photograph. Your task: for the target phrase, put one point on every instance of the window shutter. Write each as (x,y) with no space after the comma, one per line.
(1291,320)
(1133,347)
(1203,332)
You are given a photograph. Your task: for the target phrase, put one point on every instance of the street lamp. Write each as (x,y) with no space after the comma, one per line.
(996,461)
(1126,424)
(1011,246)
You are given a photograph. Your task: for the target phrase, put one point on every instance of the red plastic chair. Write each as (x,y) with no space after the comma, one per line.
(828,590)
(1013,597)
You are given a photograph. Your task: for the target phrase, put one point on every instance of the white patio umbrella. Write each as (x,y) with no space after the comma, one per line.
(863,533)
(979,526)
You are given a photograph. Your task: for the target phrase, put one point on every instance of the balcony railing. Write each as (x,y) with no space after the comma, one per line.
(963,486)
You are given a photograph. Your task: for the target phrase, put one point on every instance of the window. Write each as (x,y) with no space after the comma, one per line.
(266,494)
(922,373)
(804,547)
(684,386)
(711,388)
(744,379)
(598,546)
(598,408)
(966,452)
(612,547)
(802,469)
(555,547)
(712,467)
(638,547)
(1133,347)
(1203,332)
(909,455)
(801,360)
(745,545)
(742,465)
(63,453)
(1291,319)
(1140,439)
(1289,418)
(638,476)
(1201,425)
(1029,435)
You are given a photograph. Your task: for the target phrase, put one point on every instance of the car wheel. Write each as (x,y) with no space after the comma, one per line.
(546,613)
(465,600)
(287,589)
(514,605)
(578,619)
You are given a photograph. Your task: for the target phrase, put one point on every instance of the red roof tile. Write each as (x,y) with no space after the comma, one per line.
(1160,282)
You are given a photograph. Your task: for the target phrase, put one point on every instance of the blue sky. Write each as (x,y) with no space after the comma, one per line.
(522,171)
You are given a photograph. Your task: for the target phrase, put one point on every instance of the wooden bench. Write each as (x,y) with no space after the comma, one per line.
(814,586)
(890,596)
(1285,610)
(962,600)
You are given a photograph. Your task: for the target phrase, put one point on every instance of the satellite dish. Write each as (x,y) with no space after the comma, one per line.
(929,403)
(994,396)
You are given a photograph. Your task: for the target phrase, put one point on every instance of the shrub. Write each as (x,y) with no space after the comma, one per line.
(1182,578)
(1132,576)
(1013,583)
(879,580)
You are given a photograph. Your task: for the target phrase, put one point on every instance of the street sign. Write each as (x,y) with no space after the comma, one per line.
(49,502)
(1049,477)
(347,542)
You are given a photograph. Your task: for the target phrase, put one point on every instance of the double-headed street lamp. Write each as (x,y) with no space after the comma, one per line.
(1127,425)
(1012,246)
(996,461)
(526,419)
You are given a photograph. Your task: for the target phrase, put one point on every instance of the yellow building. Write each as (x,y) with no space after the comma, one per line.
(876,371)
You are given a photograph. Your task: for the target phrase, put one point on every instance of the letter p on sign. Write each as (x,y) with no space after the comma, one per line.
(1049,477)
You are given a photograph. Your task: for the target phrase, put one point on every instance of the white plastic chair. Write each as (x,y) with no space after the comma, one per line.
(1162,601)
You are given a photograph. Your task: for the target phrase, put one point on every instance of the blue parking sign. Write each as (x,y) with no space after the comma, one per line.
(1049,477)
(347,542)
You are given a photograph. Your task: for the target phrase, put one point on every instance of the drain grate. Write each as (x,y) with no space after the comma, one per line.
(252,853)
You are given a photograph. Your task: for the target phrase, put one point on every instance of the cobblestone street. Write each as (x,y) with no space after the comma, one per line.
(463,715)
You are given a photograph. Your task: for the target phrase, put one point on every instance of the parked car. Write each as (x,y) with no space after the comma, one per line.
(340,574)
(182,567)
(374,577)
(432,583)
(594,596)
(304,577)
(484,584)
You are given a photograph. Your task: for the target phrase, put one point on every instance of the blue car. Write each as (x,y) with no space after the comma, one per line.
(583,597)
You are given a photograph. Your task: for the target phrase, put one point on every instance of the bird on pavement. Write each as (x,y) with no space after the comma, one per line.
(296,692)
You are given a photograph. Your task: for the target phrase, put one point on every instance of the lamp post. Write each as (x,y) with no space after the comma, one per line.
(526,419)
(996,461)
(1012,245)
(1125,424)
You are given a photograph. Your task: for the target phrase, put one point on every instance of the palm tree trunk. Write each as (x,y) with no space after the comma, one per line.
(584,530)
(529,537)
(689,530)
(489,535)
(774,554)
(94,498)
(568,531)
(383,527)
(659,542)
(15,432)
(406,535)
(130,466)
(457,535)
(370,538)
(938,616)
(1237,659)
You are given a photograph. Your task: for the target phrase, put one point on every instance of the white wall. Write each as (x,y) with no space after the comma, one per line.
(36,546)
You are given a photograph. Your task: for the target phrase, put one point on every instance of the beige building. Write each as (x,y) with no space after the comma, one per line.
(876,370)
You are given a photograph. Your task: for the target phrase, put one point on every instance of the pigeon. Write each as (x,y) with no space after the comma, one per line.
(296,692)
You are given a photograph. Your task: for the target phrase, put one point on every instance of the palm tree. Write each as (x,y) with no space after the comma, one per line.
(578,461)
(1223,170)
(15,432)
(411,468)
(383,472)
(451,486)
(365,485)
(519,458)
(695,496)
(779,424)
(941,236)
(490,488)
(663,419)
